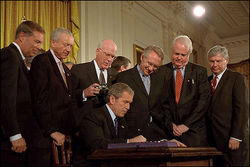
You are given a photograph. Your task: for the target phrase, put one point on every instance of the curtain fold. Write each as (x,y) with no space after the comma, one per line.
(49,14)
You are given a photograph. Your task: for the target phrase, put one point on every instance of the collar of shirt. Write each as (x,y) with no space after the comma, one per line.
(219,77)
(98,70)
(141,73)
(19,49)
(111,114)
(56,59)
(182,71)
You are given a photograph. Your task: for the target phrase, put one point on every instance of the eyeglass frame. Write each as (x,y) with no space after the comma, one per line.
(107,54)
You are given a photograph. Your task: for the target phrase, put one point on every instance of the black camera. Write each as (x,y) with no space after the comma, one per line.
(103,93)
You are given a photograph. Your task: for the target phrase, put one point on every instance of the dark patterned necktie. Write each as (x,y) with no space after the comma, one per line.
(62,73)
(213,84)
(116,126)
(101,78)
(178,85)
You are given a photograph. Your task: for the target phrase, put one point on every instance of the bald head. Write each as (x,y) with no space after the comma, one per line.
(105,53)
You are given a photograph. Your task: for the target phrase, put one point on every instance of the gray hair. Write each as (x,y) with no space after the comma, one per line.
(217,49)
(185,40)
(57,33)
(117,90)
(28,27)
(101,43)
(154,48)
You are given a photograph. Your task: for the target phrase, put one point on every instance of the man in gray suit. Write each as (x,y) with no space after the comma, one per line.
(228,110)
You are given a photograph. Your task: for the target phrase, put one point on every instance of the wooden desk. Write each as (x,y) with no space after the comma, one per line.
(158,156)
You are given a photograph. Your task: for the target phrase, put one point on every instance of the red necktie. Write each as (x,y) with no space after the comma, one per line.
(178,85)
(213,84)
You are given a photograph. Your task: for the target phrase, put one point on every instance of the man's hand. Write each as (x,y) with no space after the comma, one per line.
(176,130)
(183,128)
(179,144)
(233,144)
(137,139)
(58,137)
(19,145)
(92,90)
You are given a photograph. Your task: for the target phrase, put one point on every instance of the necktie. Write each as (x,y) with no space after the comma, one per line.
(101,78)
(62,73)
(116,126)
(178,85)
(213,84)
(146,81)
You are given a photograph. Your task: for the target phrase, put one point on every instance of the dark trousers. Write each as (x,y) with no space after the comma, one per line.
(40,157)
(12,159)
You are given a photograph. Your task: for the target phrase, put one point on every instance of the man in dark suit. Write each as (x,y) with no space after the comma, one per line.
(17,123)
(87,77)
(53,95)
(106,124)
(228,113)
(147,85)
(188,94)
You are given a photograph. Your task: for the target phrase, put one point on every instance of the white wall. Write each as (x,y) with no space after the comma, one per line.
(144,23)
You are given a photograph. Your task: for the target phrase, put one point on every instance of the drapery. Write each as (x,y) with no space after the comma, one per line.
(49,14)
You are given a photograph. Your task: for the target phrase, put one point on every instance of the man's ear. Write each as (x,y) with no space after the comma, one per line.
(112,99)
(21,36)
(227,60)
(52,43)
(122,68)
(142,56)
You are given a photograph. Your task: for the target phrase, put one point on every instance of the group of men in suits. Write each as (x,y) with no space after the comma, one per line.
(38,105)
(146,103)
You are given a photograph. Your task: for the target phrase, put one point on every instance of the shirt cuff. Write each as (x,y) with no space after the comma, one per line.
(15,137)
(83,97)
(236,139)
(127,140)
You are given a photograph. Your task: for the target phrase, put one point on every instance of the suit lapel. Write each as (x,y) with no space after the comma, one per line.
(92,73)
(138,81)
(186,80)
(223,79)
(56,69)
(110,122)
(22,65)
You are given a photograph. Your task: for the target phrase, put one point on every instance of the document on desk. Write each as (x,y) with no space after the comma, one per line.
(143,144)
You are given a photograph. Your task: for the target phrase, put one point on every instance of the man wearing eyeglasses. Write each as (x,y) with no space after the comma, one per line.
(147,85)
(89,77)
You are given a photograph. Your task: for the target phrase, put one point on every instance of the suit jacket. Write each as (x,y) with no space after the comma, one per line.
(96,132)
(97,129)
(84,75)
(193,103)
(229,112)
(16,106)
(144,106)
(53,102)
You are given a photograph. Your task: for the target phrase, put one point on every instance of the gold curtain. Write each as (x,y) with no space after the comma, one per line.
(49,14)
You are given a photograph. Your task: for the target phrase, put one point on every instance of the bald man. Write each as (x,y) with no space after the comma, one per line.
(88,77)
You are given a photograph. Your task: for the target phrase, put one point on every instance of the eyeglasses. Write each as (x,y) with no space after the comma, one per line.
(155,67)
(108,54)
